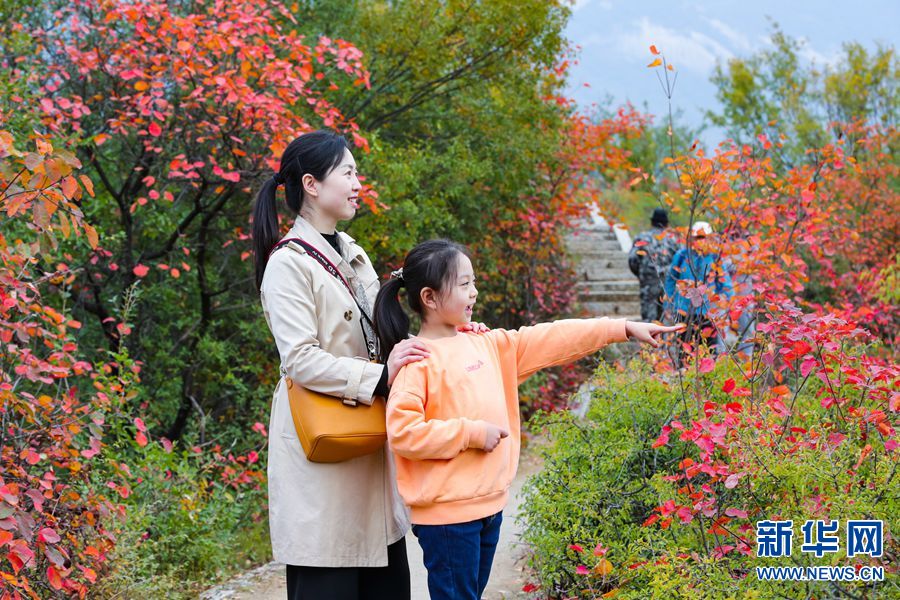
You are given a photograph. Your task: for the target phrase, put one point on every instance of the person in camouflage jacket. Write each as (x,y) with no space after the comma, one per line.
(649,259)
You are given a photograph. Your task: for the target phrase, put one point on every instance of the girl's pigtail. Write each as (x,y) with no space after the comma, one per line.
(391,321)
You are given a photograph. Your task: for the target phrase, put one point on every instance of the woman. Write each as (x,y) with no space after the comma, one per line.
(339,527)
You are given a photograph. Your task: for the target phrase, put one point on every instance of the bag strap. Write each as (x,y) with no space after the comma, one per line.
(331,268)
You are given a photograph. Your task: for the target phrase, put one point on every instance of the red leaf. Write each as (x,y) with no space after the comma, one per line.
(729,385)
(154,129)
(141,270)
(16,561)
(89,574)
(807,366)
(32,457)
(20,555)
(10,493)
(53,578)
(48,535)
(650,520)
(663,438)
(141,439)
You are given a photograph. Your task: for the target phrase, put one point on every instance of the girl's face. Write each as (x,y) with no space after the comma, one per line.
(337,196)
(454,304)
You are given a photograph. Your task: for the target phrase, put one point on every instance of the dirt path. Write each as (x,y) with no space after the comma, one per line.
(507,578)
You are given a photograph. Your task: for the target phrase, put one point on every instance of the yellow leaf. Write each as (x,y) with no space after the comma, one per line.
(603,567)
(141,86)
(91,235)
(88,184)
(69,187)
(43,146)
(655,63)
(50,206)
(64,225)
(670,67)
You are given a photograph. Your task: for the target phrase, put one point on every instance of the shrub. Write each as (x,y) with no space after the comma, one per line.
(656,493)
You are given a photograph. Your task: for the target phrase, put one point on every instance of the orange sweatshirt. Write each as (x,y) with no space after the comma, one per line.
(439,407)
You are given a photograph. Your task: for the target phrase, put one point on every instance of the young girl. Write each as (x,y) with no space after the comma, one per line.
(453,418)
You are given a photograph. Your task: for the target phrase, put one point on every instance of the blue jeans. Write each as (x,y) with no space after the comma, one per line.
(459,556)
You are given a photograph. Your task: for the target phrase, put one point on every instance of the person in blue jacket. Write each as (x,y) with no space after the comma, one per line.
(686,303)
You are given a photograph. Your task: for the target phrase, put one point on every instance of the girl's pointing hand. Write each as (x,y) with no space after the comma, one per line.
(648,332)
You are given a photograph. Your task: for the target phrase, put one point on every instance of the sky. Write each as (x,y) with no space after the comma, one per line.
(615,35)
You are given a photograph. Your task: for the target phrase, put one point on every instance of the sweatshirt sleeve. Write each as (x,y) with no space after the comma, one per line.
(411,435)
(559,342)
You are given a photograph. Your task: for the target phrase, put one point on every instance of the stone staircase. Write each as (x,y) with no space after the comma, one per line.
(606,287)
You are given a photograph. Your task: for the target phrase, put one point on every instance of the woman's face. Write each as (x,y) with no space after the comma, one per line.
(338,194)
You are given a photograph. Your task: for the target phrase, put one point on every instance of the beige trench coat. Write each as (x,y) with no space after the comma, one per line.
(325,514)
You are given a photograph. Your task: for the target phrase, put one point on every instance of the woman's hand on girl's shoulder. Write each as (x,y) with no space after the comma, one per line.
(408,351)
(474,327)
(648,332)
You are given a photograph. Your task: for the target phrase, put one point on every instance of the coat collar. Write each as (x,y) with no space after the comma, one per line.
(305,230)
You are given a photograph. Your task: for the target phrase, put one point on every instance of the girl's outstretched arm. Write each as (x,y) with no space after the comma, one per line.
(559,342)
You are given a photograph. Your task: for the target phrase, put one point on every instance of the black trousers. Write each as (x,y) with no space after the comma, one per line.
(353,583)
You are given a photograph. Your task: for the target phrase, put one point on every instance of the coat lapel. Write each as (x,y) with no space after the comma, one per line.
(347,265)
(304,230)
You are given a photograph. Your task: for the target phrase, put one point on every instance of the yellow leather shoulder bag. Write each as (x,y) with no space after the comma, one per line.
(333,431)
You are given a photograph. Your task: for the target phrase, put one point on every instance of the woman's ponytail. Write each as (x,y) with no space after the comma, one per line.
(391,321)
(265,231)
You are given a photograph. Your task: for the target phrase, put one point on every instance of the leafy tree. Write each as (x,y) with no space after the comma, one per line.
(176,109)
(462,115)
(776,92)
